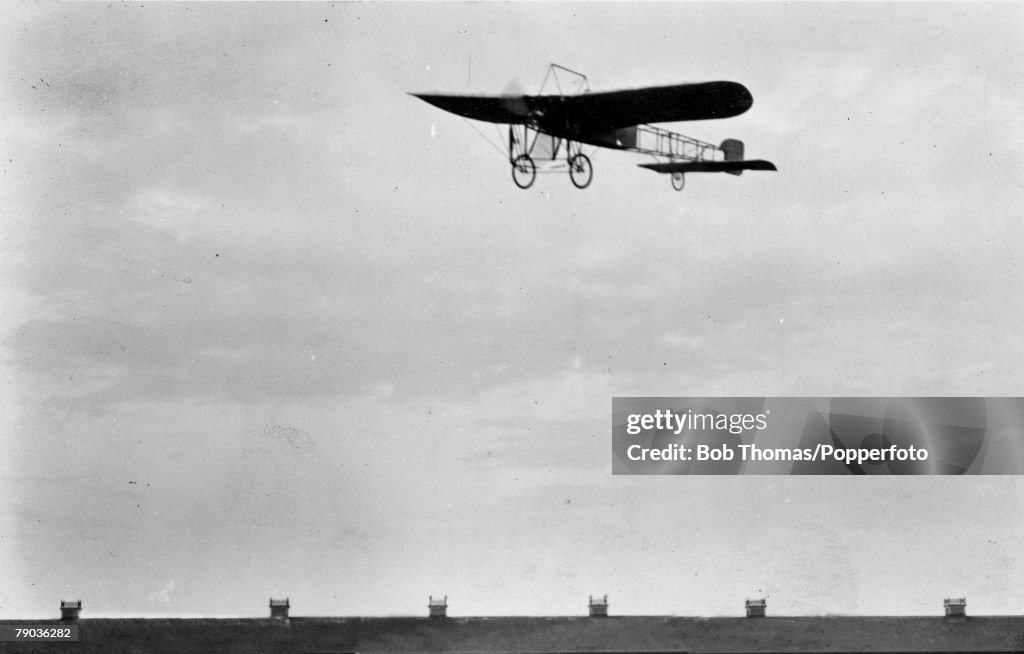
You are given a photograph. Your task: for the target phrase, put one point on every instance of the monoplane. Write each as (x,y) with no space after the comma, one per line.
(551,129)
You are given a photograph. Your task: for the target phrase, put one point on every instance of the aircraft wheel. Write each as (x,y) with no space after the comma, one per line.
(524,171)
(678,181)
(580,170)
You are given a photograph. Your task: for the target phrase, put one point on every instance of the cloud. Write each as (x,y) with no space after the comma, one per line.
(246,273)
(163,595)
(682,341)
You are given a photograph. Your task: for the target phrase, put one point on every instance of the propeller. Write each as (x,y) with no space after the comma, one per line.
(514,87)
(514,96)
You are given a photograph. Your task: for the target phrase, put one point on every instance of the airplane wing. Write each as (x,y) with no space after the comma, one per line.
(709,166)
(505,109)
(661,104)
(601,111)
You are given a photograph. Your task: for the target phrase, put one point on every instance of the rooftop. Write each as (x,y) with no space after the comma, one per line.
(533,635)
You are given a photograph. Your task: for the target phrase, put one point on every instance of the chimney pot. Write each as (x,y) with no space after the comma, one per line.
(69,610)
(956,607)
(756,607)
(598,607)
(438,607)
(279,608)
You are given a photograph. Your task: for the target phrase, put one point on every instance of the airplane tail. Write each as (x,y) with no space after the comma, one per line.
(733,149)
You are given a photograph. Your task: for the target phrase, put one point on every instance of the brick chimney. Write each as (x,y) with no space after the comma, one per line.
(598,607)
(279,608)
(956,607)
(438,607)
(756,607)
(69,610)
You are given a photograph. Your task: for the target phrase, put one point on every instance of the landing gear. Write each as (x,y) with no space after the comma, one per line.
(531,151)
(524,171)
(580,171)
(678,181)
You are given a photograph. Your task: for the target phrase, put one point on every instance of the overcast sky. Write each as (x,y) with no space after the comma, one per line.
(273,327)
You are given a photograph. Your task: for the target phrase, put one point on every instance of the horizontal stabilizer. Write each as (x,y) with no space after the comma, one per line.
(709,166)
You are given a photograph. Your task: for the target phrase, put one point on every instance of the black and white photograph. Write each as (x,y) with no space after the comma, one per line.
(313,314)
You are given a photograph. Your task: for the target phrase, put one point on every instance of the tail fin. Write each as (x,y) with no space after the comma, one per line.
(733,149)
